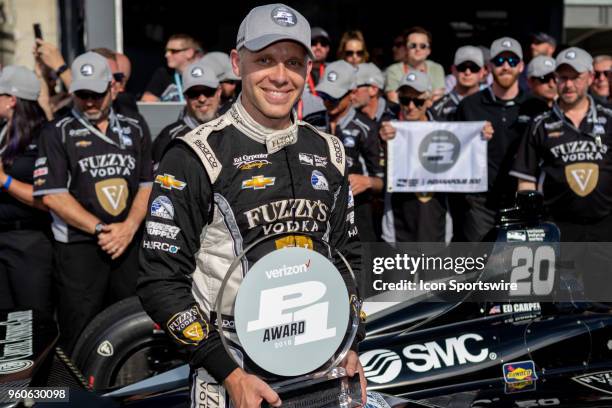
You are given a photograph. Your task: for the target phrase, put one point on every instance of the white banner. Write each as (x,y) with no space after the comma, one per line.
(437,157)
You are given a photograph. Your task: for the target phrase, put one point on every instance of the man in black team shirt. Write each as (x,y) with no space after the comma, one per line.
(468,70)
(359,134)
(166,84)
(96,185)
(502,105)
(232,181)
(202,96)
(567,154)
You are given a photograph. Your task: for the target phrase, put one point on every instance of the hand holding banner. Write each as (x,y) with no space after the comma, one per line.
(437,157)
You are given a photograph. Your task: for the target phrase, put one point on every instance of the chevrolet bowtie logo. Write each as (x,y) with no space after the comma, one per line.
(168,182)
(258,182)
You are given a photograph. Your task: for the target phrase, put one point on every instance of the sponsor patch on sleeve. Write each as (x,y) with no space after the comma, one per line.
(188,326)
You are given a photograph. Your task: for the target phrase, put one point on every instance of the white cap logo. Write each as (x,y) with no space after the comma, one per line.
(548,63)
(332,76)
(506,44)
(284,17)
(570,55)
(411,78)
(87,70)
(197,72)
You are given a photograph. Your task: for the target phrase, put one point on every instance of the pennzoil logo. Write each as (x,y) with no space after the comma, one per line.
(582,177)
(112,195)
(258,182)
(168,182)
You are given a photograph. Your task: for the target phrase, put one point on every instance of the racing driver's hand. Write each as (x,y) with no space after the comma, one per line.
(352,365)
(248,391)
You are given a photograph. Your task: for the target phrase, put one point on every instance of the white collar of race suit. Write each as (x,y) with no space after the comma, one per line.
(274,140)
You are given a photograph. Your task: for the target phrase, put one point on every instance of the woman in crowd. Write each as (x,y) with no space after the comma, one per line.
(25,245)
(353,48)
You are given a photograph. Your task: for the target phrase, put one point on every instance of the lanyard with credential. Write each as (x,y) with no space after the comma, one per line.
(179,86)
(112,123)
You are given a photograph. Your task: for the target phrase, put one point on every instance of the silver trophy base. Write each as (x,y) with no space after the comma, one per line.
(333,390)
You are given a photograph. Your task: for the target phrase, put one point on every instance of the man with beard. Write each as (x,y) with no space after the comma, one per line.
(233,181)
(94,173)
(567,156)
(202,95)
(501,104)
(358,134)
(468,70)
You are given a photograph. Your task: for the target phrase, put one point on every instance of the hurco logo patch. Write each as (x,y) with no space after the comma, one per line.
(168,182)
(258,182)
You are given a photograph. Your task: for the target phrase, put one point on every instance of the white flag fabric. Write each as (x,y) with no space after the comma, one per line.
(437,157)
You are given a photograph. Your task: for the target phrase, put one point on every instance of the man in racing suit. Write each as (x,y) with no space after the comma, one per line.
(232,181)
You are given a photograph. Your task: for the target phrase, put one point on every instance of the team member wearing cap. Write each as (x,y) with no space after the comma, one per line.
(469,72)
(567,155)
(26,256)
(414,217)
(541,79)
(94,173)
(502,105)
(202,94)
(320,46)
(221,65)
(367,96)
(231,177)
(359,135)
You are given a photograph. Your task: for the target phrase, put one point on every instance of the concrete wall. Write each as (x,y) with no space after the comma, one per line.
(16,33)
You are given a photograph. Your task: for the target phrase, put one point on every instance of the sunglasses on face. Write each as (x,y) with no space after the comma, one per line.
(512,61)
(464,66)
(195,93)
(320,41)
(176,50)
(330,100)
(405,101)
(89,95)
(118,76)
(546,78)
(605,74)
(350,53)
(422,46)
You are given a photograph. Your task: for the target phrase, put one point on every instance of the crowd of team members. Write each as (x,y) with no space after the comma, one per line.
(77,167)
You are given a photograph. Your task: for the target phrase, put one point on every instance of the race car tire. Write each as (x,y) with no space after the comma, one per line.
(115,336)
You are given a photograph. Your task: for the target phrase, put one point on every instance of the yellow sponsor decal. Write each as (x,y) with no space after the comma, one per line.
(520,374)
(83,143)
(582,178)
(424,197)
(258,182)
(112,195)
(168,182)
(255,164)
(194,332)
(294,241)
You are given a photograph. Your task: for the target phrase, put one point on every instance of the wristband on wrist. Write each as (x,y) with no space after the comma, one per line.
(7,183)
(61,70)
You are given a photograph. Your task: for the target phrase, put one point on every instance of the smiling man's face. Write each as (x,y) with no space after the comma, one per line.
(272,81)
